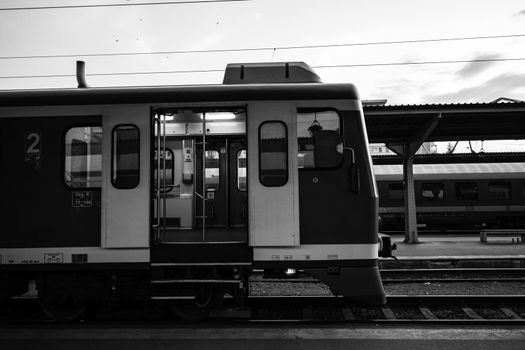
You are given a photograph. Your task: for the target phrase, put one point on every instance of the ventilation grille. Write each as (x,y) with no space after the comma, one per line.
(79,258)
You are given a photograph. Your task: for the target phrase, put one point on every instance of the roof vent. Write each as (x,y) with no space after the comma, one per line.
(269,73)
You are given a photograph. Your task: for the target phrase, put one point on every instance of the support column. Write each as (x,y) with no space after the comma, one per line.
(408,150)
(411,234)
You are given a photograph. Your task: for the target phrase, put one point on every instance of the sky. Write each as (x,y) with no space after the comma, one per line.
(77,32)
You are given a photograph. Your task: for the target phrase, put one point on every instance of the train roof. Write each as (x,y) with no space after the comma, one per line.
(452,171)
(179,94)
(242,82)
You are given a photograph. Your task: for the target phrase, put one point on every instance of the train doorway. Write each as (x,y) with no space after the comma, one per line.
(199,171)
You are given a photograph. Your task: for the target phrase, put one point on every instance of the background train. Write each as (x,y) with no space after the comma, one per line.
(455,197)
(178,193)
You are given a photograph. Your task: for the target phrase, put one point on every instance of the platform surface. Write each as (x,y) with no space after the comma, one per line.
(453,246)
(258,337)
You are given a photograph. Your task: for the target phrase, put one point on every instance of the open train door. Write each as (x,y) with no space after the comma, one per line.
(126,177)
(273,203)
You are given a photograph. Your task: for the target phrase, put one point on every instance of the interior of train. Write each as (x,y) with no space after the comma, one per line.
(201,192)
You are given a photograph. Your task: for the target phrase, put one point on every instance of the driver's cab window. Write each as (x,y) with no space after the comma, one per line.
(319,129)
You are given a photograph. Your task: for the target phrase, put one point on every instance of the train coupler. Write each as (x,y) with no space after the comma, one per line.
(386,247)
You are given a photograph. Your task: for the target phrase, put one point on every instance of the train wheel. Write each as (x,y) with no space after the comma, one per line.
(206,299)
(59,299)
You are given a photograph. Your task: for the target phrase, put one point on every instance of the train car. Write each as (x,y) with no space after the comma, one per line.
(177,193)
(455,197)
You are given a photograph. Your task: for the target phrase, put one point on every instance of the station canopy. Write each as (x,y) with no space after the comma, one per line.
(461,122)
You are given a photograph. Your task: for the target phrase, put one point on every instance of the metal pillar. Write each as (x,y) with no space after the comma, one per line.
(408,150)
(411,234)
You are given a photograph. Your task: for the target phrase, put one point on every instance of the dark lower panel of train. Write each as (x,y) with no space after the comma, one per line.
(202,253)
(38,158)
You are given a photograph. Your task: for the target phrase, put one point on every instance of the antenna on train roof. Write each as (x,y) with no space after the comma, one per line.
(81,77)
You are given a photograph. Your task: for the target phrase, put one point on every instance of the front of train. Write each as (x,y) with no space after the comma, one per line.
(330,229)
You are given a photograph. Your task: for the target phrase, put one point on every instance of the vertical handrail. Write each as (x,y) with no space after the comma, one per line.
(203,176)
(157,149)
(227,177)
(164,171)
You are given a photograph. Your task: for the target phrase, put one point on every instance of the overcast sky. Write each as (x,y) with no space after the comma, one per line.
(272,23)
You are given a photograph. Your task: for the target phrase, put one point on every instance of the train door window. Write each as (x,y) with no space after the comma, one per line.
(168,180)
(432,191)
(83,157)
(273,154)
(212,170)
(241,170)
(499,190)
(466,191)
(396,191)
(125,157)
(310,124)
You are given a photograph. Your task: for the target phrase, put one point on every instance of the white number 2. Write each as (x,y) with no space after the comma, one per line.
(34,142)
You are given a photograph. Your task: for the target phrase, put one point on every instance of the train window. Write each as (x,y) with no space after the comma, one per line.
(273,154)
(213,172)
(432,191)
(396,191)
(83,157)
(466,191)
(309,123)
(499,190)
(170,169)
(125,157)
(241,170)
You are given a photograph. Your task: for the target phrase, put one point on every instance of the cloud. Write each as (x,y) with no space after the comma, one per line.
(521,13)
(472,68)
(504,85)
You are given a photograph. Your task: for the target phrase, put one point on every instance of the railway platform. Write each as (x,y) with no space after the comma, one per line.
(463,250)
(281,336)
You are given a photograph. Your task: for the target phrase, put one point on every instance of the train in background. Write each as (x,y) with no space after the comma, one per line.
(177,194)
(454,197)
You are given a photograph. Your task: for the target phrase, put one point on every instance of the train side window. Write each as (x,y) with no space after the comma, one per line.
(310,124)
(432,191)
(499,190)
(273,154)
(396,191)
(241,170)
(466,190)
(125,157)
(213,171)
(83,157)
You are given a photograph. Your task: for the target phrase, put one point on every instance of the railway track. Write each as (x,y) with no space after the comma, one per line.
(443,309)
(450,275)
(273,307)
(468,309)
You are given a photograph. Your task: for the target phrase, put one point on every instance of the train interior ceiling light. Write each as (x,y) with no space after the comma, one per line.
(218,116)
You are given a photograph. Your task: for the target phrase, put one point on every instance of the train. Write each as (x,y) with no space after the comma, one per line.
(465,197)
(178,193)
